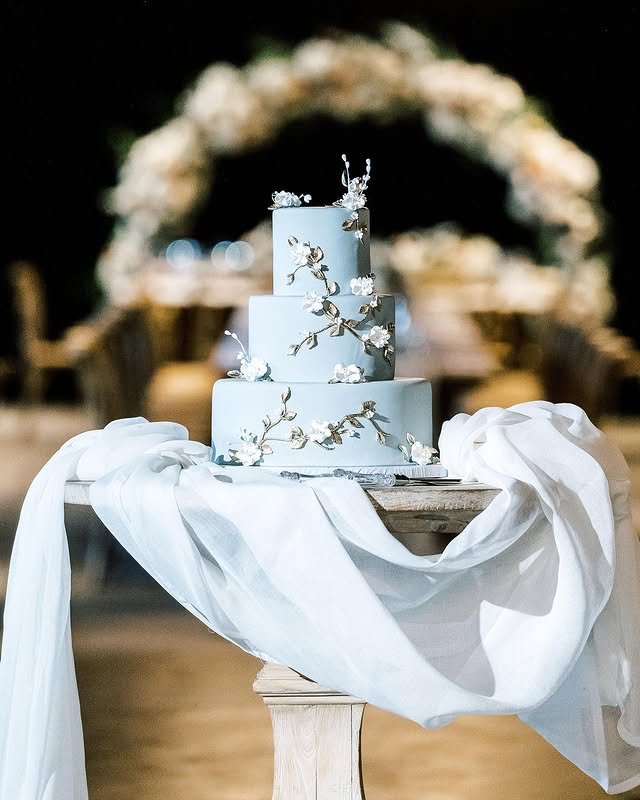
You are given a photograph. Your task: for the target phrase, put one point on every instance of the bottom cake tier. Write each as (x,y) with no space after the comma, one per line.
(302,425)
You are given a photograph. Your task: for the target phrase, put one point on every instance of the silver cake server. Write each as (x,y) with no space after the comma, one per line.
(373,479)
(383,479)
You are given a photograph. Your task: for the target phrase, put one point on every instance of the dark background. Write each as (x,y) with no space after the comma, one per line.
(83,79)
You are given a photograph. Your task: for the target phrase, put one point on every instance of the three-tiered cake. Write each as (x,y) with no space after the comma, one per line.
(316,387)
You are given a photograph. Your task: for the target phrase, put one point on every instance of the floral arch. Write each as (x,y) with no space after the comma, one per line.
(553,185)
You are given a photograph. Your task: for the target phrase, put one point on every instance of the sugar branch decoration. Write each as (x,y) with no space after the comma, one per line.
(253,447)
(354,198)
(307,256)
(251,369)
(378,337)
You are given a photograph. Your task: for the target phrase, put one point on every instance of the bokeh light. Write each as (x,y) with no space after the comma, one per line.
(236,256)
(183,252)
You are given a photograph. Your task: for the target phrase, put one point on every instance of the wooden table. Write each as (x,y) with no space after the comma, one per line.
(316,730)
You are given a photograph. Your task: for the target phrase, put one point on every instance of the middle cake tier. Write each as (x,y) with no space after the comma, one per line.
(306,347)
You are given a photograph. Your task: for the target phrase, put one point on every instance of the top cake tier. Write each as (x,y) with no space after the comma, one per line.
(345,255)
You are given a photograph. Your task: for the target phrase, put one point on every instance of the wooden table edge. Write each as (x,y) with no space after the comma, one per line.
(450,497)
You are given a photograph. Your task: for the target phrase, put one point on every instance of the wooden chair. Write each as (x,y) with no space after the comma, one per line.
(37,354)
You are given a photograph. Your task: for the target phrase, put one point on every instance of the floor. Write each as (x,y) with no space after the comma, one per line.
(168,708)
(169,713)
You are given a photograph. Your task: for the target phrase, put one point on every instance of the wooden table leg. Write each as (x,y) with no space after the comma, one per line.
(316,735)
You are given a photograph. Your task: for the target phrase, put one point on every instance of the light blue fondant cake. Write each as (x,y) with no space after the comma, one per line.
(315,388)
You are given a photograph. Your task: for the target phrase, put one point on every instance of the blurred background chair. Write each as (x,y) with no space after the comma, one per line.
(553,357)
(150,362)
(38,356)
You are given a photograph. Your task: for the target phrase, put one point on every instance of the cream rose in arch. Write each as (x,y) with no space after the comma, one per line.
(347,373)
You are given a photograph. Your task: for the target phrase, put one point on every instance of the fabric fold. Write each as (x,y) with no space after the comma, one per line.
(531,610)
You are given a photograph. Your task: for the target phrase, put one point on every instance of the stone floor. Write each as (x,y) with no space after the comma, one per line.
(168,708)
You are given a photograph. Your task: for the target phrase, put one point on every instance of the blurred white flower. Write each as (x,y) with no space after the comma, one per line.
(225,106)
(273,80)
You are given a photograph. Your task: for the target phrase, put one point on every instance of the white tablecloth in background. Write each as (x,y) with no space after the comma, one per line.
(532,609)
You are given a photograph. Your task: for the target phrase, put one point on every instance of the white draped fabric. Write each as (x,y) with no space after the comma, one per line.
(531,610)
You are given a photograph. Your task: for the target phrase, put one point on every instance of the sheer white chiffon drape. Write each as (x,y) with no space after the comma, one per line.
(531,610)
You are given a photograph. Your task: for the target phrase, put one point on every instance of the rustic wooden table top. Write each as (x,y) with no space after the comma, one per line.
(423,518)
(455,497)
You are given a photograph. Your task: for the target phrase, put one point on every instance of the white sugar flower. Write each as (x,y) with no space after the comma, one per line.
(422,453)
(353,200)
(363,286)
(378,336)
(300,253)
(320,431)
(253,369)
(347,373)
(312,302)
(283,199)
(248,454)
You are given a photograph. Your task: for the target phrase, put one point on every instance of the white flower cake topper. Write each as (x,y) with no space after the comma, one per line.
(284,199)
(354,198)
(347,373)
(251,369)
(418,453)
